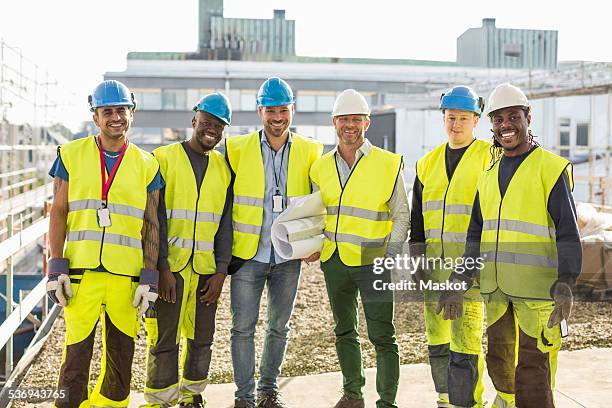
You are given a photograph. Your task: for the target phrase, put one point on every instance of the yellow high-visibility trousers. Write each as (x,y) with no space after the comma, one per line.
(94,295)
(455,351)
(190,321)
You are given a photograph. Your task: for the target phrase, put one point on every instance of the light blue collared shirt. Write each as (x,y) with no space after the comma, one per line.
(276,165)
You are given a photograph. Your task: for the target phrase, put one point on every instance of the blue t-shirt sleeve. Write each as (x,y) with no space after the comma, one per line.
(58,169)
(157,184)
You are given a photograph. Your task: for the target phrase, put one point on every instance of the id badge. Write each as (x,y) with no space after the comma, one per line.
(277,203)
(104,217)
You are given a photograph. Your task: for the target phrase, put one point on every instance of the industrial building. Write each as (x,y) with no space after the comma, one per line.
(166,90)
(493,47)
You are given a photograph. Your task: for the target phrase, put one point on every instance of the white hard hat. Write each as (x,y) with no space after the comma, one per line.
(504,96)
(350,102)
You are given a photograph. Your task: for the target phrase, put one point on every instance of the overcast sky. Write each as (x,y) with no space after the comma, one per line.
(77,41)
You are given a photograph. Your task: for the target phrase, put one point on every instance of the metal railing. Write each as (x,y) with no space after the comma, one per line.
(16,313)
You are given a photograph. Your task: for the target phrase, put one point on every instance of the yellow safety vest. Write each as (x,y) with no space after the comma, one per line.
(518,242)
(118,247)
(447,204)
(244,156)
(193,216)
(357,221)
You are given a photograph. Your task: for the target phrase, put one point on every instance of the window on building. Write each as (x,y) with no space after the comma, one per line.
(564,137)
(582,134)
(193,97)
(234,97)
(325,103)
(306,131)
(148,99)
(326,135)
(564,142)
(174,99)
(145,135)
(306,103)
(247,100)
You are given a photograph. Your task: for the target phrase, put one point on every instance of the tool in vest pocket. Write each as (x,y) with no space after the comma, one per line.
(564,328)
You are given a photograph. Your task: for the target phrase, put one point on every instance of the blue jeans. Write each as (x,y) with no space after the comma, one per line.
(246,288)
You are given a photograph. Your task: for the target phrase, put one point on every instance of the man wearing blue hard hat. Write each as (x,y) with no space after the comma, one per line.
(269,167)
(106,192)
(443,193)
(195,251)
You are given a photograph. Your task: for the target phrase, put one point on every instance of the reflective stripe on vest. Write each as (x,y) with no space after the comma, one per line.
(191,244)
(108,238)
(357,223)
(359,213)
(447,205)
(193,216)
(86,242)
(89,204)
(519,226)
(182,214)
(518,241)
(515,258)
(250,201)
(244,156)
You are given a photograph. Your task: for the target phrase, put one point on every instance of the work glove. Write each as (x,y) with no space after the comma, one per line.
(451,301)
(146,292)
(562,295)
(58,283)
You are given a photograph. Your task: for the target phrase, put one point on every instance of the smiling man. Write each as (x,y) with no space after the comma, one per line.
(523,224)
(442,197)
(269,167)
(105,197)
(195,250)
(363,190)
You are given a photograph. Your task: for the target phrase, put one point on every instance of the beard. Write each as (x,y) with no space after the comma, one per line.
(274,131)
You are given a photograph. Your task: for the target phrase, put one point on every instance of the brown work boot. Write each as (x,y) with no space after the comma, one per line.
(348,402)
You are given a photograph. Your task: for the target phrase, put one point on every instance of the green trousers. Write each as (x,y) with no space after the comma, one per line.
(344,284)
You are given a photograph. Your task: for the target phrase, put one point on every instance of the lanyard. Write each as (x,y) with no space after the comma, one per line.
(107,183)
(277,178)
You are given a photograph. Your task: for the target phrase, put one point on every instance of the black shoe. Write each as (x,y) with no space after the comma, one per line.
(270,399)
(197,402)
(240,403)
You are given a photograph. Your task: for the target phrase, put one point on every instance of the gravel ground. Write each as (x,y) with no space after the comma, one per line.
(311,345)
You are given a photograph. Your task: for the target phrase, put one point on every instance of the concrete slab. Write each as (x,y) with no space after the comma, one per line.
(583,380)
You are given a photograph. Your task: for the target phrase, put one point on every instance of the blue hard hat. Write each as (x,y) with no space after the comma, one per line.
(217,105)
(462,98)
(275,92)
(111,93)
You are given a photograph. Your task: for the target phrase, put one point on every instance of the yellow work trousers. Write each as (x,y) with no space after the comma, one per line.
(94,295)
(455,351)
(522,351)
(191,321)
